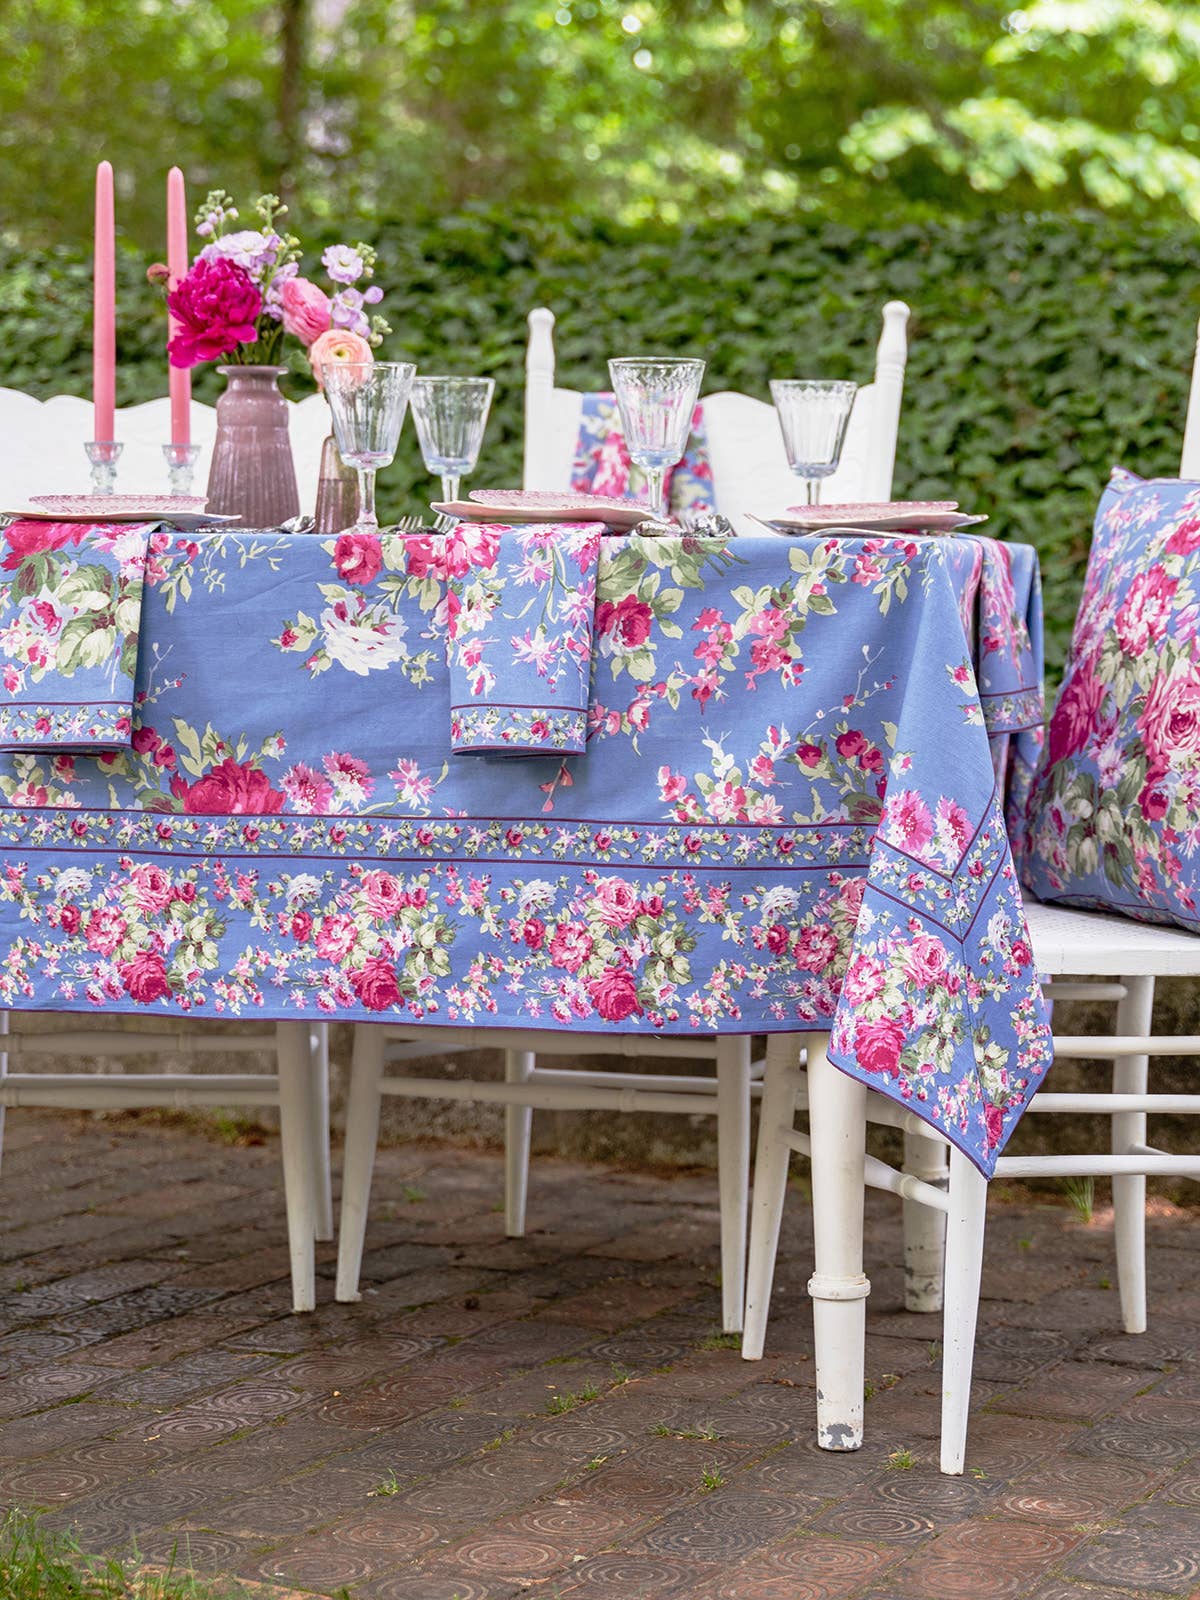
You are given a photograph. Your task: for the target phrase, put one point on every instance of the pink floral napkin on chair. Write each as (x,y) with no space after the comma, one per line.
(70,614)
(519,637)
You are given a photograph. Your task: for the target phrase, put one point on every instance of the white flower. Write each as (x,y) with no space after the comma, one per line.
(304,886)
(536,895)
(72,881)
(365,642)
(777,902)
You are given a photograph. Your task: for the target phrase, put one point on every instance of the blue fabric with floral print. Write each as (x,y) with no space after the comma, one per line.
(519,641)
(70,611)
(603,466)
(1114,817)
(787,817)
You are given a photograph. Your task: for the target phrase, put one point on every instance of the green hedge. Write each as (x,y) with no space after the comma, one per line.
(1042,349)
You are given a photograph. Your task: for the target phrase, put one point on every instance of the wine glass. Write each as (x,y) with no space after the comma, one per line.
(813,414)
(367,400)
(656,398)
(451,414)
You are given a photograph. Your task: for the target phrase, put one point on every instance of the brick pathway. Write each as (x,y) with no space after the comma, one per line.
(558,1415)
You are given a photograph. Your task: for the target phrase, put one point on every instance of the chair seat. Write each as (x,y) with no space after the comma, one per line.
(1103,945)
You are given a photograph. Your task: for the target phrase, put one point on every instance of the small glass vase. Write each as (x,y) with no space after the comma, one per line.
(253,475)
(337,491)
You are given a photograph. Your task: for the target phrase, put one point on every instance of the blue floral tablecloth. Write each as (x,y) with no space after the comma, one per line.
(787,816)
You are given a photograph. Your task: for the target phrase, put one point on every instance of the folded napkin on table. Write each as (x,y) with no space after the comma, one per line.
(70,612)
(602,463)
(519,636)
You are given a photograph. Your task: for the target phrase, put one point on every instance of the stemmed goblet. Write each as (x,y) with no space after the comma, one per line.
(451,414)
(813,414)
(656,397)
(367,400)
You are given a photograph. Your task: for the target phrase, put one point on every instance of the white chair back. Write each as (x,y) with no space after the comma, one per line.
(41,445)
(751,476)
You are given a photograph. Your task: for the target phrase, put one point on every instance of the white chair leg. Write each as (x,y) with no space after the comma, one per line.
(964,1266)
(1131,1075)
(839,1288)
(322,1178)
(296,1137)
(733,1170)
(781,1081)
(924,1228)
(3,1074)
(518,1126)
(362,1134)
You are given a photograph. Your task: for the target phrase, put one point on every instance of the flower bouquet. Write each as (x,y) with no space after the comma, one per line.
(242,298)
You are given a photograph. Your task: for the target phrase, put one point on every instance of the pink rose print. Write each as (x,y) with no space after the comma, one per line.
(877,1045)
(571,946)
(815,948)
(925,960)
(1145,610)
(336,937)
(1076,713)
(375,985)
(307,791)
(145,977)
(358,557)
(907,821)
(628,622)
(151,888)
(1170,721)
(33,538)
(993,1117)
(614,994)
(104,931)
(864,981)
(229,789)
(382,894)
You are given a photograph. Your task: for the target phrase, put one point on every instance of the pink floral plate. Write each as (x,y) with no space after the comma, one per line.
(544,505)
(178,508)
(891,516)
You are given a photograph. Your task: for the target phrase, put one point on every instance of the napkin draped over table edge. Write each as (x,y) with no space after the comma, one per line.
(520,618)
(70,617)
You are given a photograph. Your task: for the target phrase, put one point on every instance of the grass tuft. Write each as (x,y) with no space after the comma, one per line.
(37,1564)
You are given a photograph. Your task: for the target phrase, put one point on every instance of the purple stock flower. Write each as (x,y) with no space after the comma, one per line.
(343,263)
(346,312)
(253,251)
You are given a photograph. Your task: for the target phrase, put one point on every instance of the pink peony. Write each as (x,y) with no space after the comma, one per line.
(375,985)
(335,347)
(877,1045)
(614,994)
(145,978)
(306,309)
(229,790)
(216,306)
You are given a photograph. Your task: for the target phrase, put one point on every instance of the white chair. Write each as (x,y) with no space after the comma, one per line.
(41,450)
(41,445)
(1119,960)
(745,448)
(751,476)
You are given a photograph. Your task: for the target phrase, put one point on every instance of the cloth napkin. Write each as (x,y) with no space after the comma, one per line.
(70,613)
(602,464)
(521,609)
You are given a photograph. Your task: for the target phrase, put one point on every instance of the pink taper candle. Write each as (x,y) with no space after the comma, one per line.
(177,265)
(104,322)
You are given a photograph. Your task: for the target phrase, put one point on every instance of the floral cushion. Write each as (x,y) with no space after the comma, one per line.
(602,464)
(1114,816)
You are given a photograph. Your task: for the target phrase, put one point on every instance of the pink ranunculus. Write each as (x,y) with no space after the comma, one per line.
(815,948)
(376,985)
(230,789)
(358,557)
(145,977)
(1170,720)
(925,960)
(614,995)
(216,306)
(335,347)
(877,1045)
(1076,712)
(306,310)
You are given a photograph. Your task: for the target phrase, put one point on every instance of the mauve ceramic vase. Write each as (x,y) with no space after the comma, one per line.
(253,475)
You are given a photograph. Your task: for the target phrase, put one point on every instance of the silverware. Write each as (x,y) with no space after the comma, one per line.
(298,525)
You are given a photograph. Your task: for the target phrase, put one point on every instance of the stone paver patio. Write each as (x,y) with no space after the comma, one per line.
(559,1415)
